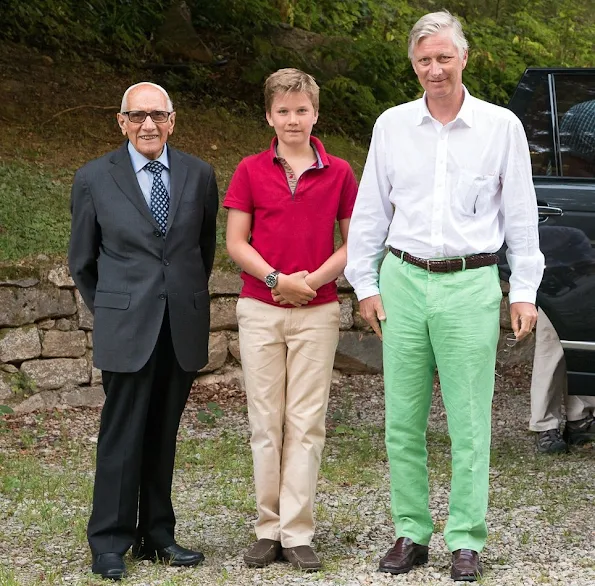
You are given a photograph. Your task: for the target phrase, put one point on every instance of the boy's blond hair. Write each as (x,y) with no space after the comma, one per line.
(289,80)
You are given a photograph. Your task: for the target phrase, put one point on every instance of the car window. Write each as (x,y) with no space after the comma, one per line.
(575,96)
(531,103)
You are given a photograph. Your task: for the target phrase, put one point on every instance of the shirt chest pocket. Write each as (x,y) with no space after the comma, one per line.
(473,192)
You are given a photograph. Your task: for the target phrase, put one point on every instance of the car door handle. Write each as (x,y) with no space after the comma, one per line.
(547,211)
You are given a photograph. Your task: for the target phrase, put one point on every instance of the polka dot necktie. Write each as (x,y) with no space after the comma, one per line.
(159,195)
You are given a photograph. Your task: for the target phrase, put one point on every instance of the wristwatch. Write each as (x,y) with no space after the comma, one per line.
(271,279)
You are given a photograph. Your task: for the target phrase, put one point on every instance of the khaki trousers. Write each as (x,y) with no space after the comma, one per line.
(287,359)
(548,382)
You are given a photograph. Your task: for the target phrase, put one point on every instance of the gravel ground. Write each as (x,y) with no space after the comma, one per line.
(540,518)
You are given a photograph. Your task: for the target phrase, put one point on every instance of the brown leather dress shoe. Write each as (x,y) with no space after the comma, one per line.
(302,558)
(466,566)
(263,553)
(404,554)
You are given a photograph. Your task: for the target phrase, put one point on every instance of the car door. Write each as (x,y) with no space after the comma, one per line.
(557,108)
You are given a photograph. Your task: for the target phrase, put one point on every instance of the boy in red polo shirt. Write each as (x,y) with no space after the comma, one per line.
(283,204)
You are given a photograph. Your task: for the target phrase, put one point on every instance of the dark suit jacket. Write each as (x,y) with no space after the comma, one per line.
(127,273)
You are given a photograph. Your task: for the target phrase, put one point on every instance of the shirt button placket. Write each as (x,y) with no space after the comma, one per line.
(437,240)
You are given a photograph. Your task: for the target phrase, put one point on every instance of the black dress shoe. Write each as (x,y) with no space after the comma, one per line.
(173,555)
(109,565)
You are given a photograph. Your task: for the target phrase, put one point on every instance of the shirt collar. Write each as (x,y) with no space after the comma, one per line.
(465,114)
(140,161)
(321,156)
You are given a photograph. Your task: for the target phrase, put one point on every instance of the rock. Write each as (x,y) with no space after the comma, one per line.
(225,283)
(233,345)
(24,306)
(60,276)
(46,324)
(89,339)
(57,372)
(19,344)
(223,314)
(336,376)
(233,376)
(505,322)
(505,286)
(359,352)
(57,344)
(37,402)
(64,325)
(217,352)
(343,285)
(85,316)
(23,283)
(96,378)
(346,320)
(92,396)
(9,368)
(5,388)
(42,257)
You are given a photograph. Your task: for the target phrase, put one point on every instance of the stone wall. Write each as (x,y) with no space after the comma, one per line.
(46,344)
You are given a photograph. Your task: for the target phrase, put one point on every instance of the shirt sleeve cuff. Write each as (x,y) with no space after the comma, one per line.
(522,296)
(365,292)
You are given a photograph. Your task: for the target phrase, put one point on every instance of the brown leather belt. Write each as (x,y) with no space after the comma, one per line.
(448,265)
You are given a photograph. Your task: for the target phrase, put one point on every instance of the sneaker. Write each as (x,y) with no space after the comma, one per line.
(550,442)
(580,432)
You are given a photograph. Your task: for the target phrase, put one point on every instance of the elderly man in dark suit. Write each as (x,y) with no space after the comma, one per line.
(141,251)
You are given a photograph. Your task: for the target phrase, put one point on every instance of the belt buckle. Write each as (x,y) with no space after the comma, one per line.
(428,268)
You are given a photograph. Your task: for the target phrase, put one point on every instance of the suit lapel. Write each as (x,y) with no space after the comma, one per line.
(125,178)
(178,173)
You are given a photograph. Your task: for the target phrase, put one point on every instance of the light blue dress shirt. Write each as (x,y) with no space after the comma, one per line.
(144,177)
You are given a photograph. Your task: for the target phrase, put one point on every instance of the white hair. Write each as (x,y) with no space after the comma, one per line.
(124,106)
(436,22)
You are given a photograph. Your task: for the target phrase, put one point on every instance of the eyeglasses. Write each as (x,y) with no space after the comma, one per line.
(139,116)
(504,355)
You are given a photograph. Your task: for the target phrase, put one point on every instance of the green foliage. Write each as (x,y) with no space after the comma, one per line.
(5,410)
(210,414)
(34,213)
(22,385)
(122,27)
(357,49)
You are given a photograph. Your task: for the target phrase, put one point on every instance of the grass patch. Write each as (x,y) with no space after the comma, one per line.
(34,212)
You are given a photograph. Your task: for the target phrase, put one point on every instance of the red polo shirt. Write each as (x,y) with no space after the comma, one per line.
(292,232)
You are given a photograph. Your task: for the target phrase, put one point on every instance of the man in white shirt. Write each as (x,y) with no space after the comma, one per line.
(447,180)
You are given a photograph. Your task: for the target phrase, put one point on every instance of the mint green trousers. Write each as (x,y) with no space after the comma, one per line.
(449,321)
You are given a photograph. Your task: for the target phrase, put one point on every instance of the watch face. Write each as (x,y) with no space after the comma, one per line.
(271,279)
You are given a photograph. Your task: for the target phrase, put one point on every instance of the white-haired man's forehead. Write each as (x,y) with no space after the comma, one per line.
(141,85)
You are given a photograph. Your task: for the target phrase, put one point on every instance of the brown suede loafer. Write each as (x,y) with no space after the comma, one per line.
(263,553)
(466,566)
(403,556)
(302,557)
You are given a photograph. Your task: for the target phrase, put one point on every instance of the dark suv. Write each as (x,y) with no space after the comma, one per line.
(557,108)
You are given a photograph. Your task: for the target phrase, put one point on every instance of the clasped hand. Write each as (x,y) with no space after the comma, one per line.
(293,289)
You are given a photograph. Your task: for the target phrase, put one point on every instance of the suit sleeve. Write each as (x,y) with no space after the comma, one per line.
(85,237)
(208,231)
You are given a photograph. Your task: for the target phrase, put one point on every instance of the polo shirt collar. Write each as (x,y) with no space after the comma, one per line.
(140,161)
(465,114)
(322,159)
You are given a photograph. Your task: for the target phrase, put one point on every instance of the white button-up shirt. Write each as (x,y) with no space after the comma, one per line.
(451,190)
